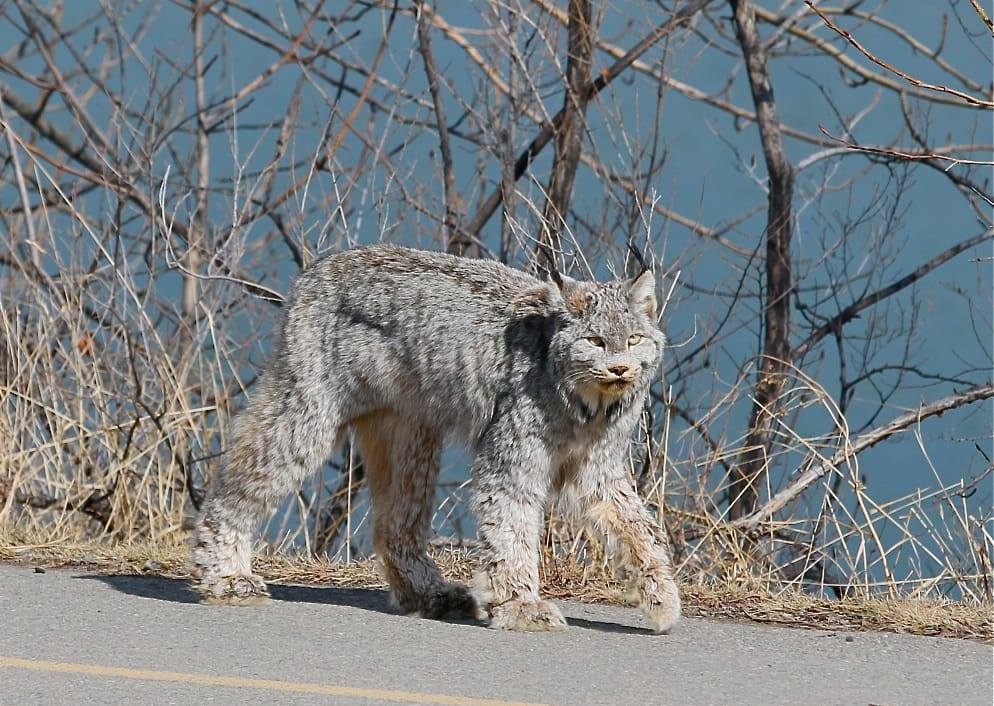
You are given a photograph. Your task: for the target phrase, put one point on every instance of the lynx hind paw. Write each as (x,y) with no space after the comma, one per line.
(452,600)
(233,590)
(528,616)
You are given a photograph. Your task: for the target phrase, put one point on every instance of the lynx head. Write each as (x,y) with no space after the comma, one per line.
(607,346)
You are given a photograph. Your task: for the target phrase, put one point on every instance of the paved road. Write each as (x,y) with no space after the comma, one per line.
(67,637)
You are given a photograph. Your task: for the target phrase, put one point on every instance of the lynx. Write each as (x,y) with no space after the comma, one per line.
(407,349)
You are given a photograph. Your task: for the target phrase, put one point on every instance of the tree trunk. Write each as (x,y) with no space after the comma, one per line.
(569,133)
(754,459)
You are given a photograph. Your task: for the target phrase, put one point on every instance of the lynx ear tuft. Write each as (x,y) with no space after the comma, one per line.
(642,294)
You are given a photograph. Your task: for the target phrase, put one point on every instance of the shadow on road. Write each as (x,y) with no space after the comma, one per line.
(372,599)
(607,627)
(162,589)
(177,591)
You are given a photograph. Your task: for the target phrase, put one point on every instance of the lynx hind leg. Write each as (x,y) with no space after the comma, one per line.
(402,459)
(272,451)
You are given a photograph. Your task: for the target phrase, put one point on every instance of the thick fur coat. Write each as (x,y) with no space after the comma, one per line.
(409,349)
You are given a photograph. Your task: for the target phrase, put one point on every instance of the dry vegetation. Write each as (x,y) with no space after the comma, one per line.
(563,579)
(146,237)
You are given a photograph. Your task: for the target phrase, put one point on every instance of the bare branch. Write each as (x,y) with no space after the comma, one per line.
(456,241)
(835,324)
(22,190)
(908,155)
(569,132)
(965,97)
(538,143)
(373,72)
(983,15)
(827,48)
(863,442)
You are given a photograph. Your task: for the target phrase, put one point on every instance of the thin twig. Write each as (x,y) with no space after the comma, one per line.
(966,97)
(905,154)
(983,15)
(868,300)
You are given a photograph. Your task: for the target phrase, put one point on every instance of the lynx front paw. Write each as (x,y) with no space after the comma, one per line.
(662,608)
(528,616)
(451,600)
(233,590)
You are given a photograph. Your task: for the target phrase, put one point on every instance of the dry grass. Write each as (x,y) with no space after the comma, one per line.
(562,579)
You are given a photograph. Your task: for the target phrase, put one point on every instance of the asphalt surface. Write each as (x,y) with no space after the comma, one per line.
(68,637)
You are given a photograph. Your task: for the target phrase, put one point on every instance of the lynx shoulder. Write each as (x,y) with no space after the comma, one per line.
(407,350)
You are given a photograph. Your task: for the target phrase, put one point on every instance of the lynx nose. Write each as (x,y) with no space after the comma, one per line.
(619,370)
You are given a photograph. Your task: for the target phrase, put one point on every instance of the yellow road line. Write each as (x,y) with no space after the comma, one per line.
(410,697)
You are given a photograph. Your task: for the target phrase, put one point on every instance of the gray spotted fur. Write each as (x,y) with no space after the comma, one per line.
(407,349)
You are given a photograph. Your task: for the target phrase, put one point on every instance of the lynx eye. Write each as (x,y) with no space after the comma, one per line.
(596,341)
(635,339)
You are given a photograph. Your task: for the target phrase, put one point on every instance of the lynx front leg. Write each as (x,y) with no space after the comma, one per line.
(616,511)
(510,495)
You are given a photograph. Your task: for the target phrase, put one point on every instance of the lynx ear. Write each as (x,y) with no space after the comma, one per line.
(577,295)
(642,294)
